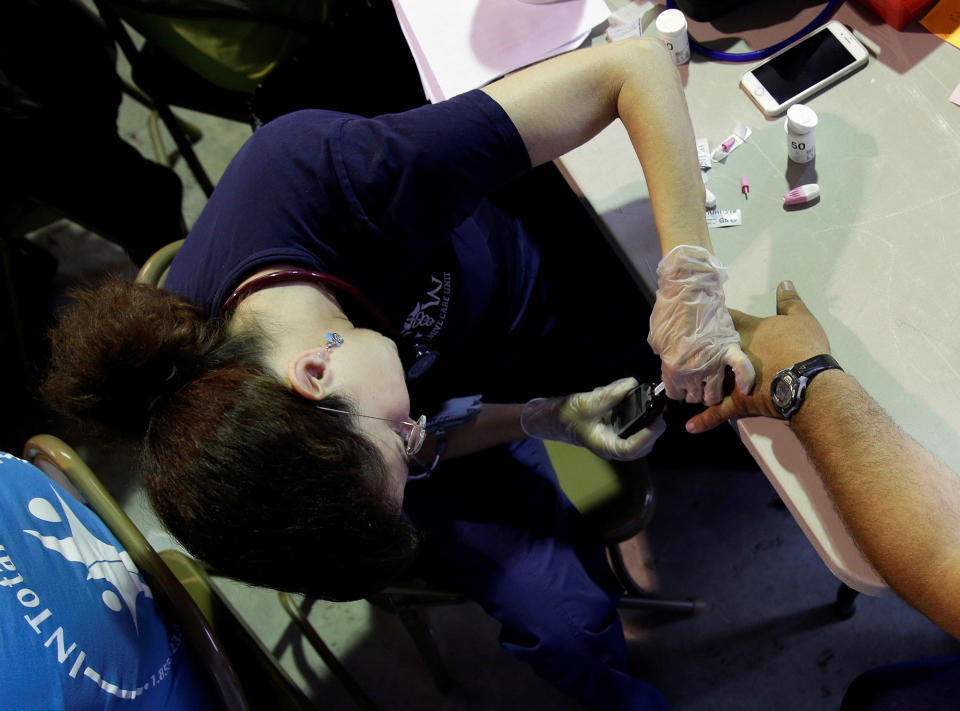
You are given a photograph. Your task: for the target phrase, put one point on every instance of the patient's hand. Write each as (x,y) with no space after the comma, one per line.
(772,344)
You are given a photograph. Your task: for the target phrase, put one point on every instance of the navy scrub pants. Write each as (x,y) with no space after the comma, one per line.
(498,527)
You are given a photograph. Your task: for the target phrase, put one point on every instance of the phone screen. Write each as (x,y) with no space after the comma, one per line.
(638,409)
(629,409)
(803,65)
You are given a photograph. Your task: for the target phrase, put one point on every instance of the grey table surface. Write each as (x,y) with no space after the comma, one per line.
(877,259)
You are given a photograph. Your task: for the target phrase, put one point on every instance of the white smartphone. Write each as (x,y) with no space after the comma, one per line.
(803,68)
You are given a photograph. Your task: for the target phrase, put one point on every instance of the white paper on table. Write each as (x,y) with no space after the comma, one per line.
(460,45)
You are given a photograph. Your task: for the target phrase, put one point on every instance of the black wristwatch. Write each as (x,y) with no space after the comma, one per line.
(790,385)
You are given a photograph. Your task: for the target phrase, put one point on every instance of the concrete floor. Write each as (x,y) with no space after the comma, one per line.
(767,639)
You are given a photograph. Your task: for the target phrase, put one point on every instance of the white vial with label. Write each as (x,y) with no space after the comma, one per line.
(672,28)
(801,127)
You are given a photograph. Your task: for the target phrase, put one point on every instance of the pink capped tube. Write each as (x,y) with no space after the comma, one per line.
(803,194)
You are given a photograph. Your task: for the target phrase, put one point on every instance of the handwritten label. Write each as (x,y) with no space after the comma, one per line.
(724,218)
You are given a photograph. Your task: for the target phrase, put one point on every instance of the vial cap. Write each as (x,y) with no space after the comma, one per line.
(801,118)
(670,22)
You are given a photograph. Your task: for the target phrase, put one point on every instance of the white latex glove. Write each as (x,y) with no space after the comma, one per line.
(584,419)
(691,330)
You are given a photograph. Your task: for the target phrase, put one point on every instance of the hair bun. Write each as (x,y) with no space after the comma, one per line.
(119,349)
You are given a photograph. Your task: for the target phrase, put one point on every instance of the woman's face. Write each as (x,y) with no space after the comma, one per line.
(369,372)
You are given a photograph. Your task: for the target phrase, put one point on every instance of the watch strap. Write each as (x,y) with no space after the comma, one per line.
(811,366)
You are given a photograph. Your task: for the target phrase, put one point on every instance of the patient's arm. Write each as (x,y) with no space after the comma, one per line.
(901,503)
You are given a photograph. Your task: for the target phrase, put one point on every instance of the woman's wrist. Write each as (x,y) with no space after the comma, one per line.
(432,451)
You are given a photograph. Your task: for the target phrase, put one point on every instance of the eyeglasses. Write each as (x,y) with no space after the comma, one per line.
(413,433)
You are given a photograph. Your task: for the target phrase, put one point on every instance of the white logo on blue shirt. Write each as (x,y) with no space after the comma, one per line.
(102,560)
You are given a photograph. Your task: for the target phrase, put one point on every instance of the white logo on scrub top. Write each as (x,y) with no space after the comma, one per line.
(438,295)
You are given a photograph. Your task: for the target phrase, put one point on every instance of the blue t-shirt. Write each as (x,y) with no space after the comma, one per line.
(80,627)
(396,206)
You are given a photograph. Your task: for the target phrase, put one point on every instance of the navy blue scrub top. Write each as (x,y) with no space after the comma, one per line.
(395,205)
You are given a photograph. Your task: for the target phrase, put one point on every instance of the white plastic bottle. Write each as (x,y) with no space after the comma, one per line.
(672,28)
(801,125)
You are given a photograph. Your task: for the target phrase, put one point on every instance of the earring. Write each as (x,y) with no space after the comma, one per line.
(334,340)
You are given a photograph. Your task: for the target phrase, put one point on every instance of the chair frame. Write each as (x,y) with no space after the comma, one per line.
(154,270)
(118,31)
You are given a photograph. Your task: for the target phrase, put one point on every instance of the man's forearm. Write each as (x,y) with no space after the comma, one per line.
(901,503)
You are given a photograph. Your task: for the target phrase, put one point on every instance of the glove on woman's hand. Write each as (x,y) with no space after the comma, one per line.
(584,419)
(691,330)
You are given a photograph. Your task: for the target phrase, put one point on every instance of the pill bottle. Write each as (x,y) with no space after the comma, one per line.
(672,28)
(801,125)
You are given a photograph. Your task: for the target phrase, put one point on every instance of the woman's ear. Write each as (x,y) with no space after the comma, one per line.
(310,374)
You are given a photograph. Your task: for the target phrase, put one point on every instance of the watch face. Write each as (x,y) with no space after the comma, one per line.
(789,385)
(782,390)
